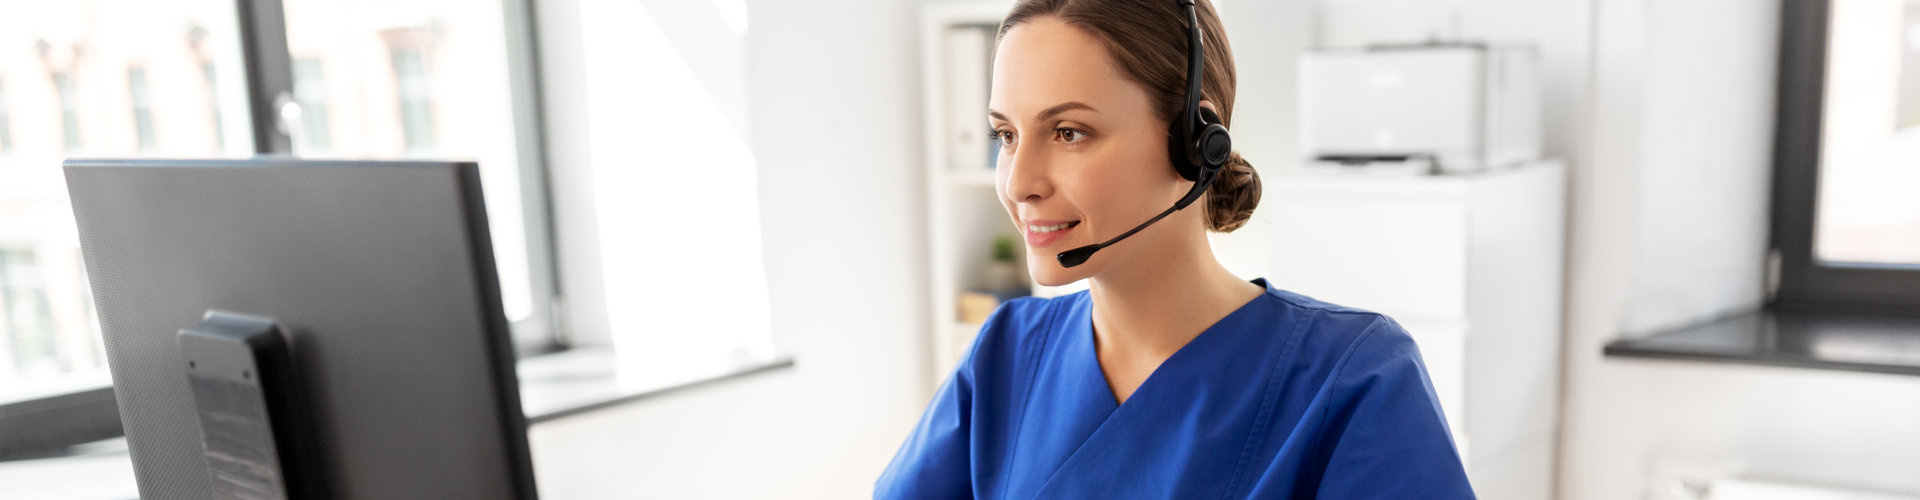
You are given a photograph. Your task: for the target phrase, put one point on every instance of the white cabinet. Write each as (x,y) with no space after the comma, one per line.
(1472,266)
(964,215)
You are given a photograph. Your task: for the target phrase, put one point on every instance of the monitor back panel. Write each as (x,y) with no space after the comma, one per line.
(382,276)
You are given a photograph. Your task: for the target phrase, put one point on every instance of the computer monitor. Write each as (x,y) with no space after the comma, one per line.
(356,301)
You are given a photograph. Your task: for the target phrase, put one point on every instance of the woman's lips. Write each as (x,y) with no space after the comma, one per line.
(1041,233)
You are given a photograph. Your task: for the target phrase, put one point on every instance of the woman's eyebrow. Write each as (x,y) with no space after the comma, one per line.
(1049,112)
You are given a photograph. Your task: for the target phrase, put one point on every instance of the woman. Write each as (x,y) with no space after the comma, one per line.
(1170,377)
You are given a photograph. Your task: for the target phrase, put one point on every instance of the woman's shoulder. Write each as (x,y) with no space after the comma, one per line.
(1026,314)
(1020,327)
(1373,404)
(1344,334)
(1028,319)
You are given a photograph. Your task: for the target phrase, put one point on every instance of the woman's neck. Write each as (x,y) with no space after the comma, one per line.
(1146,311)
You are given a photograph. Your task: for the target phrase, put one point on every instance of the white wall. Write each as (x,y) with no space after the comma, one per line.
(833,99)
(1662,106)
(832,96)
(1704,158)
(1266,35)
(1669,229)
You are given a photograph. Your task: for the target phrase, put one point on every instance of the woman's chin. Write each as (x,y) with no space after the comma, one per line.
(1048,273)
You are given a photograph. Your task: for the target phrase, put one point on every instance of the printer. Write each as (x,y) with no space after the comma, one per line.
(1436,108)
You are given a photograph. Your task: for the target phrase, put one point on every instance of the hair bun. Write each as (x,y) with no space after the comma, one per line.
(1232,197)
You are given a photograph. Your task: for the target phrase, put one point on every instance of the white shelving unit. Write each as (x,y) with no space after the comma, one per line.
(964,215)
(1472,266)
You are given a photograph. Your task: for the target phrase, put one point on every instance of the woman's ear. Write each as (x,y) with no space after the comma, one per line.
(1208,105)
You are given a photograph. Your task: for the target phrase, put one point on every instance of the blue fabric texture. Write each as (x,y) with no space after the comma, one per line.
(1286,397)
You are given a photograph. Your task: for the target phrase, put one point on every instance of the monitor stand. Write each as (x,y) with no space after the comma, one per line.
(253,419)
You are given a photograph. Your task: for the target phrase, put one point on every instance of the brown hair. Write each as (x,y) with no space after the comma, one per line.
(1147,38)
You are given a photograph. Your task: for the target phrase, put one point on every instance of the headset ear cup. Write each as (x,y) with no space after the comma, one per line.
(1210,146)
(1216,146)
(1177,151)
(1209,117)
(1213,142)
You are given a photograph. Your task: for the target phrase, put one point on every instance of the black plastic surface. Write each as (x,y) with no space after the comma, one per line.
(1862,343)
(381,275)
(237,366)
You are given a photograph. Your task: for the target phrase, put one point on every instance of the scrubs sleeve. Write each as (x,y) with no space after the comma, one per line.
(935,461)
(1385,435)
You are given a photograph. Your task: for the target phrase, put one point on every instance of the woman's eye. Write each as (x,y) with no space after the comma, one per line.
(1069,135)
(1004,136)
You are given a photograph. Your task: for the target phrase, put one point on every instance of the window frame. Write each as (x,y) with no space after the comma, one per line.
(80,416)
(270,80)
(1799,280)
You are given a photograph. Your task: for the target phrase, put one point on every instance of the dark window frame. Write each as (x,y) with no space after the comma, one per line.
(270,80)
(42,427)
(1805,283)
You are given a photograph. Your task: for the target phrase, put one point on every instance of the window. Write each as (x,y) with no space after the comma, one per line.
(31,331)
(69,109)
(213,106)
(28,320)
(49,337)
(142,108)
(375,80)
(1870,151)
(1846,226)
(389,79)
(310,90)
(429,80)
(416,101)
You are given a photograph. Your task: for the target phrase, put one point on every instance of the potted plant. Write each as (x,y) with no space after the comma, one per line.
(1003,271)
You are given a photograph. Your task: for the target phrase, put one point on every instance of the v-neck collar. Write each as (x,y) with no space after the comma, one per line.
(1078,403)
(1084,343)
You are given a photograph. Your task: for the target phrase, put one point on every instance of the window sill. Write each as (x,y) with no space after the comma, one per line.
(552,386)
(1823,341)
(581,380)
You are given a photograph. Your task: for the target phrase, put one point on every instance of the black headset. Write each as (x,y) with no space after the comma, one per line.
(1196,142)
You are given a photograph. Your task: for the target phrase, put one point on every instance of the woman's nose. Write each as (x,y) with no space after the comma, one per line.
(1028,176)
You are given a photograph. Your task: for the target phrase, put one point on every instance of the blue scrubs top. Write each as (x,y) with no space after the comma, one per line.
(1286,397)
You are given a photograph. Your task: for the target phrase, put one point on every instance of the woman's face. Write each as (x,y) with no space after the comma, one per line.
(1083,157)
